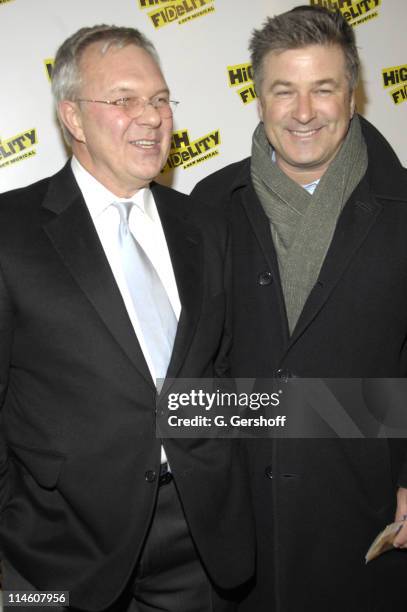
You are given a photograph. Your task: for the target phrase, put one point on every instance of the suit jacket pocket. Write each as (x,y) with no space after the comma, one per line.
(44,466)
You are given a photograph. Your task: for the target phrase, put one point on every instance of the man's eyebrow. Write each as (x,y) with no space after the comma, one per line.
(130,90)
(329,81)
(282,83)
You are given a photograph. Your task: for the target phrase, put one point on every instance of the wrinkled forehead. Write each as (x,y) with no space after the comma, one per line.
(119,65)
(311,62)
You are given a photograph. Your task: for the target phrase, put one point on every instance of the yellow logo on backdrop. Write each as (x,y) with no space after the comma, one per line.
(17,148)
(241,75)
(49,64)
(354,11)
(187,153)
(171,11)
(4,1)
(396,77)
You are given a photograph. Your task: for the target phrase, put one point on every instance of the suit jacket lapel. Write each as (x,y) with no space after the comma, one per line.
(185,247)
(357,219)
(74,237)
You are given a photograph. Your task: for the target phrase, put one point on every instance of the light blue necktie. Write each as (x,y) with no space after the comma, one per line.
(153,308)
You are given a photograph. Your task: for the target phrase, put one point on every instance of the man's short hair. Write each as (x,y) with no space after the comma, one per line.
(300,27)
(66,76)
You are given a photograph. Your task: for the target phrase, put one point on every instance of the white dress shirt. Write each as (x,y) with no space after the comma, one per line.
(145,225)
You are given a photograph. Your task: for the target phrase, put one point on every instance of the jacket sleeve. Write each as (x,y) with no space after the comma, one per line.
(213,214)
(386,400)
(6,333)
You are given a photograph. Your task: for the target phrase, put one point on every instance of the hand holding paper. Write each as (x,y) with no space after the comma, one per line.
(395,534)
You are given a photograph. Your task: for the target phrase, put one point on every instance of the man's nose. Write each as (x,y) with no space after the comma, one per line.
(149,115)
(304,109)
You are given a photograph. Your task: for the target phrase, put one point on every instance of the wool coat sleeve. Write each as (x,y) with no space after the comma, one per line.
(6,333)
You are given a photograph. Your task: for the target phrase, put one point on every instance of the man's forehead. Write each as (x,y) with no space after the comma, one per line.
(134,72)
(314,63)
(326,52)
(118,63)
(98,51)
(92,54)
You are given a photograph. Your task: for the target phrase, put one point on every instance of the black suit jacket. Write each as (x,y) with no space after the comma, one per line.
(80,457)
(320,503)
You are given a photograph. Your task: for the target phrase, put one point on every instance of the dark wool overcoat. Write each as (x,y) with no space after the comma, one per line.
(320,503)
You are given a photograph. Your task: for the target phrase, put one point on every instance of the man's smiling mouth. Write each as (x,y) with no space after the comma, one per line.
(144,144)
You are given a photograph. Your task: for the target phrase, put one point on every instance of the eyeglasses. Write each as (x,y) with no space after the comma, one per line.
(135,106)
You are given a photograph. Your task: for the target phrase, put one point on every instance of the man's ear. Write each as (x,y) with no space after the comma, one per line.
(71,116)
(352,103)
(260,109)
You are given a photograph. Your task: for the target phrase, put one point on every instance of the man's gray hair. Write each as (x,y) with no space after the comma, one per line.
(300,27)
(66,75)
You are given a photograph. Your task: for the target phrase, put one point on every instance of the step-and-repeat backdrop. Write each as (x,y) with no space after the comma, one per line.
(203,47)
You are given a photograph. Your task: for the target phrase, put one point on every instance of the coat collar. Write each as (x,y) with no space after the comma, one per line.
(387,177)
(357,219)
(73,235)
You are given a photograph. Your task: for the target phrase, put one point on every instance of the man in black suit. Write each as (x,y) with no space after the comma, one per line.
(319,241)
(91,501)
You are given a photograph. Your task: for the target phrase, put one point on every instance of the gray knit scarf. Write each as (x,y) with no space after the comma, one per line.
(302,225)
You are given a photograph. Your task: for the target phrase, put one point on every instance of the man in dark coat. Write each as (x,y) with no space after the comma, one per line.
(319,230)
(108,283)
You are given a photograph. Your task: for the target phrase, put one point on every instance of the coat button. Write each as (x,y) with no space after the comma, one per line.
(268,472)
(283,375)
(265,278)
(150,476)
